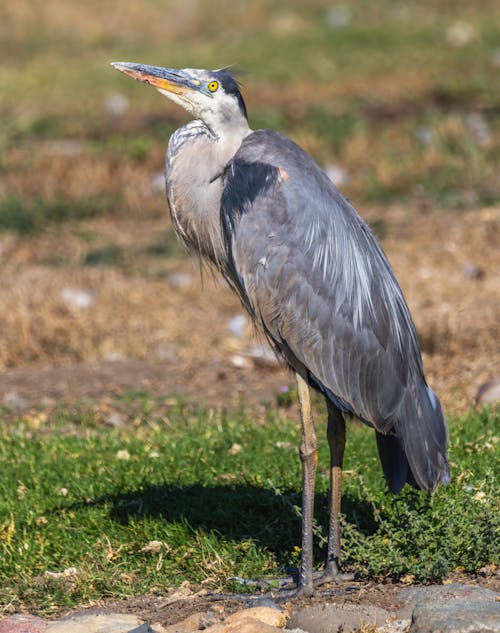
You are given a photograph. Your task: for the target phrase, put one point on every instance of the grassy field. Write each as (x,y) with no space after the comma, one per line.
(200,496)
(401,102)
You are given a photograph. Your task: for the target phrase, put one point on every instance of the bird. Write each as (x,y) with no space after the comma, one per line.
(315,282)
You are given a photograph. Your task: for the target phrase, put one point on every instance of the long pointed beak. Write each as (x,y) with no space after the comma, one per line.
(176,81)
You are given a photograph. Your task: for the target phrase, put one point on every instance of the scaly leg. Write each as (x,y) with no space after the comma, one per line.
(309,458)
(336,442)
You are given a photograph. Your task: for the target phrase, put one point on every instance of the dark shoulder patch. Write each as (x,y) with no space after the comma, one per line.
(243,183)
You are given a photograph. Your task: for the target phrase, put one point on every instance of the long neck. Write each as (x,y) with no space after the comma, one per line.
(196,159)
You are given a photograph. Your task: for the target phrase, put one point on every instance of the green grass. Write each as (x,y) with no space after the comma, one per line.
(74,494)
(27,216)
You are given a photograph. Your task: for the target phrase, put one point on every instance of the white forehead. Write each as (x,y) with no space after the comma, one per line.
(199,73)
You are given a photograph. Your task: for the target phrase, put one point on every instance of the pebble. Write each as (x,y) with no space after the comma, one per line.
(180,280)
(489,392)
(337,175)
(14,401)
(77,298)
(237,325)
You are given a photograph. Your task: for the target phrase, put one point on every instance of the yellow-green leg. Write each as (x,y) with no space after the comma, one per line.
(309,458)
(336,442)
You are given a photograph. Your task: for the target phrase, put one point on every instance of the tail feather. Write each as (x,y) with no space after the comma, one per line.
(417,452)
(394,463)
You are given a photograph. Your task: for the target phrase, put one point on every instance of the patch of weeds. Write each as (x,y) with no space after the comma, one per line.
(109,255)
(28,216)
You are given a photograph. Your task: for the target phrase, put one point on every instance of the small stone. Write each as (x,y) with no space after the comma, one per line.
(235,449)
(489,392)
(240,362)
(460,33)
(116,104)
(157,182)
(479,127)
(337,175)
(14,401)
(237,325)
(116,420)
(180,280)
(263,356)
(424,135)
(471,271)
(77,298)
(337,17)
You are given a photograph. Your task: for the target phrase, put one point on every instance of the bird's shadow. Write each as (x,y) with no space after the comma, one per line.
(236,512)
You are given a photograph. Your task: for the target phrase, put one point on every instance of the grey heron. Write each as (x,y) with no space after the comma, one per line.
(314,280)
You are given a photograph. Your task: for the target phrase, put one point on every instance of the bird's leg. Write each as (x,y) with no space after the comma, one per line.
(309,458)
(336,442)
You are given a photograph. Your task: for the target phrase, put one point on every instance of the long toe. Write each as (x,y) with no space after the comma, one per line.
(334,575)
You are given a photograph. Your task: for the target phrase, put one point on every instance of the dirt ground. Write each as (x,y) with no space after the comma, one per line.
(177,605)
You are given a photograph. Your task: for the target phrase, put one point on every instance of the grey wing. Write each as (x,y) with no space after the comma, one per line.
(315,278)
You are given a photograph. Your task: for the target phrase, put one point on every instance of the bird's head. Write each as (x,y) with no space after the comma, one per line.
(210,95)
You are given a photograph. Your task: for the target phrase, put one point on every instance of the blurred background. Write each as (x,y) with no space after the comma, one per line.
(398,101)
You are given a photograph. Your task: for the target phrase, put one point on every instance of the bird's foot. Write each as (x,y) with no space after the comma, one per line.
(338,579)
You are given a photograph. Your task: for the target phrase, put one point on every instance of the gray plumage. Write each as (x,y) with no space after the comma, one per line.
(306,267)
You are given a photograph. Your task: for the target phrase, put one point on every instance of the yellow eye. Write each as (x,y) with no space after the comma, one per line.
(213,86)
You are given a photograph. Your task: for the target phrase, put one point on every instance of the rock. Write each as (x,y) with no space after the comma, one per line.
(116,104)
(263,356)
(237,325)
(337,17)
(77,298)
(330,618)
(180,280)
(245,625)
(116,420)
(457,616)
(471,271)
(239,362)
(337,175)
(253,620)
(197,621)
(157,182)
(451,608)
(268,615)
(21,623)
(460,33)
(489,392)
(99,623)
(14,401)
